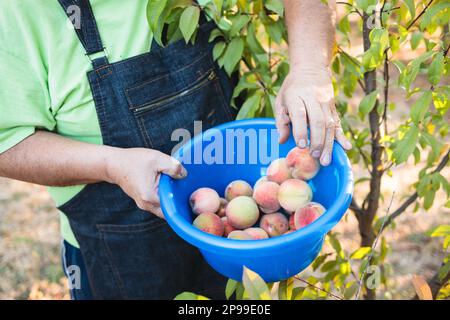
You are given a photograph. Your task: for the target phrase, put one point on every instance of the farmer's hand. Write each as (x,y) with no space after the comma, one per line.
(307,97)
(137,171)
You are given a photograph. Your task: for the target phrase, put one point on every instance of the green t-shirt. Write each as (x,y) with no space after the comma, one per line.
(43,68)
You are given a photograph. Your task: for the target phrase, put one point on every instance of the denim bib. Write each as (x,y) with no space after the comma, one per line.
(130,253)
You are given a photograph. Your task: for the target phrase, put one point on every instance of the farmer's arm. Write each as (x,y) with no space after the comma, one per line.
(48,159)
(306,95)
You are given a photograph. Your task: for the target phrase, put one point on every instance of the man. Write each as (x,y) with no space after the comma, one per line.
(89,111)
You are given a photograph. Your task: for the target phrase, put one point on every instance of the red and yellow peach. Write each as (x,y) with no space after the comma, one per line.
(293,194)
(238,188)
(204,200)
(266,196)
(307,214)
(209,223)
(257,233)
(242,212)
(274,224)
(303,165)
(278,171)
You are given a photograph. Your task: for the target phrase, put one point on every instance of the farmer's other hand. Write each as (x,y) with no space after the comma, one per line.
(137,171)
(307,97)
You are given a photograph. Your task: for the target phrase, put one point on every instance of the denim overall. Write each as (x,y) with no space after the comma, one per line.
(130,253)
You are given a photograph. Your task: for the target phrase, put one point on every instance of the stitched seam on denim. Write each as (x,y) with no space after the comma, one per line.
(147,141)
(132,228)
(118,278)
(168,75)
(225,107)
(95,27)
(104,117)
(157,51)
(167,102)
(105,74)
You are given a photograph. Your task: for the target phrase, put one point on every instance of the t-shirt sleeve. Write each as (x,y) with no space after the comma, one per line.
(24,101)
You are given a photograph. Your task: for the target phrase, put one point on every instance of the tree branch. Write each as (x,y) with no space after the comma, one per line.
(356,63)
(364,156)
(412,198)
(419,15)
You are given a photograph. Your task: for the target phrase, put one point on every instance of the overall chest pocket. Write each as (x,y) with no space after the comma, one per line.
(176,100)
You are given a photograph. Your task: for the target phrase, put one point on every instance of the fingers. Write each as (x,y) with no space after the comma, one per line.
(327,151)
(297,112)
(281,120)
(342,139)
(170,166)
(316,127)
(149,207)
(339,133)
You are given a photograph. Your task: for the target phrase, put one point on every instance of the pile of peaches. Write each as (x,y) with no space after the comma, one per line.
(279,203)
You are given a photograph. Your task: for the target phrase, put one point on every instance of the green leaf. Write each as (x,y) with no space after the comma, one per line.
(436,69)
(214,34)
(218,49)
(230,288)
(350,290)
(233,54)
(416,37)
(250,106)
(328,266)
(420,107)
(411,71)
(189,21)
(285,289)
(275,30)
(319,261)
(444,270)
(237,23)
(360,253)
(190,296)
(275,6)
(427,18)
(368,103)
(255,286)
(411,7)
(154,11)
(406,146)
(253,42)
(440,231)
(367,5)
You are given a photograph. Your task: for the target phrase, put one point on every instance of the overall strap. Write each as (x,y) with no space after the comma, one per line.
(82,17)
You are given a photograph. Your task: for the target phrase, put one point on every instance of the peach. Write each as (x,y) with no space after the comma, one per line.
(257,233)
(223,205)
(209,223)
(293,194)
(266,196)
(204,200)
(303,165)
(238,188)
(307,214)
(227,227)
(239,235)
(242,212)
(274,224)
(278,171)
(262,179)
(291,222)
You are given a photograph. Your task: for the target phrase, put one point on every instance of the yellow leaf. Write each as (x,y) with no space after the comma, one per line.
(422,289)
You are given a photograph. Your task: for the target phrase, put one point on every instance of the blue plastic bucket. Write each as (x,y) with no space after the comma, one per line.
(273,259)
